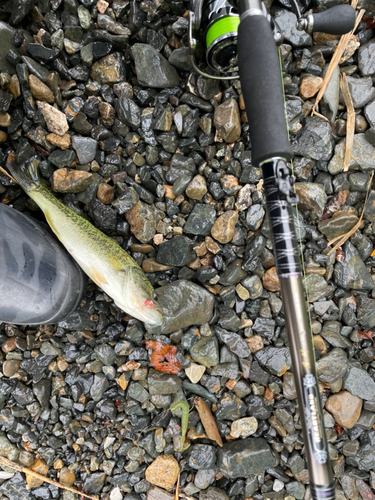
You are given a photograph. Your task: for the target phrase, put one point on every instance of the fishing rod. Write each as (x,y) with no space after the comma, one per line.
(240,40)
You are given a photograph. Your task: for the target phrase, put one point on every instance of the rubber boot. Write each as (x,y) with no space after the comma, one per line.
(40,283)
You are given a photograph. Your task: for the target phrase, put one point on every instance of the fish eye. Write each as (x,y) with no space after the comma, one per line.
(155,297)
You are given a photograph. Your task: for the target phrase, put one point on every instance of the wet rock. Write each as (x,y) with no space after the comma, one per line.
(7,33)
(213,493)
(176,252)
(345,408)
(366,61)
(310,85)
(365,457)
(200,220)
(99,386)
(362,155)
(142,220)
(181,58)
(183,303)
(42,391)
(359,383)
(361,90)
(206,351)
(201,457)
(163,472)
(287,23)
(66,180)
(55,120)
(352,273)
(333,366)
(370,113)
(85,148)
(230,407)
(62,142)
(163,383)
(329,104)
(227,121)
(234,341)
(223,228)
(197,188)
(276,359)
(312,197)
(237,458)
(128,112)
(94,482)
(152,69)
(316,141)
(339,224)
(109,69)
(8,449)
(366,311)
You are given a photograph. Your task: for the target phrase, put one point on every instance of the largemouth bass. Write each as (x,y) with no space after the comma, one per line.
(105,262)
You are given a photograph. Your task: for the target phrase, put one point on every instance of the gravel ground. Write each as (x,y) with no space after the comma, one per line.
(159,158)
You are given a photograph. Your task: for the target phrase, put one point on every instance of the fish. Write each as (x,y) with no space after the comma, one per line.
(103,260)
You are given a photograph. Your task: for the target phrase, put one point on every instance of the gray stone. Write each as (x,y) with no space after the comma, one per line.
(176,252)
(366,61)
(128,112)
(85,148)
(163,383)
(206,351)
(181,59)
(230,407)
(312,197)
(204,477)
(365,457)
(362,156)
(42,391)
(333,366)
(152,69)
(276,359)
(236,459)
(99,386)
(184,304)
(329,104)
(359,383)
(366,311)
(94,482)
(201,457)
(287,23)
(213,493)
(370,113)
(8,449)
(200,220)
(317,287)
(366,421)
(352,272)
(6,37)
(361,90)
(234,341)
(315,141)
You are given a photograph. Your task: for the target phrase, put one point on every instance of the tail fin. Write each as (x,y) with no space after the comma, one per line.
(27,175)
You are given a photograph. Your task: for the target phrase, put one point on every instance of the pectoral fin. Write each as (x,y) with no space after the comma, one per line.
(97,277)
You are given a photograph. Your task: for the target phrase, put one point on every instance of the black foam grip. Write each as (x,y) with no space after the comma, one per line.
(335,21)
(261,84)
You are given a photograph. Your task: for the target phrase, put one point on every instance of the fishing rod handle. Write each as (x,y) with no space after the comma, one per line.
(261,84)
(337,20)
(278,186)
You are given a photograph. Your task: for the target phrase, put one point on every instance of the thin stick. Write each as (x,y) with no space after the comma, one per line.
(177,488)
(340,49)
(350,123)
(6,173)
(353,229)
(25,470)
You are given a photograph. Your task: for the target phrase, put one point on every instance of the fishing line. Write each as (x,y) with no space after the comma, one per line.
(297,211)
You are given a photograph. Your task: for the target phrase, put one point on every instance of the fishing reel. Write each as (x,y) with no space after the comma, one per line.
(214,24)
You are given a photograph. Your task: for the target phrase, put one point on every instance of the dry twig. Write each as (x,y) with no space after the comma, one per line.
(340,49)
(353,229)
(350,122)
(25,470)
(8,175)
(177,488)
